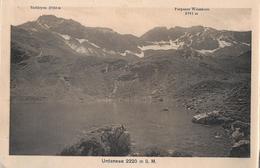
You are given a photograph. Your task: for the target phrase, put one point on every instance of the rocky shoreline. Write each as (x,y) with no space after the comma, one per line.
(234,117)
(239,131)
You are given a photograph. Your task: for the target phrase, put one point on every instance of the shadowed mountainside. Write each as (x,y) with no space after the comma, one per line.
(60,59)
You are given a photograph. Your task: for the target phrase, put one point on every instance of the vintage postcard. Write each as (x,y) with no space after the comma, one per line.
(129,83)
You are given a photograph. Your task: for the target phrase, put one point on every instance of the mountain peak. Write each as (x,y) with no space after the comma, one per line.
(48,18)
(54,22)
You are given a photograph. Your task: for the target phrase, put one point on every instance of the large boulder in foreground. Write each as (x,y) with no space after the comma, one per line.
(240,149)
(210,118)
(105,141)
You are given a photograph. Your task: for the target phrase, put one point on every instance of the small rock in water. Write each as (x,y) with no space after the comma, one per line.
(218,135)
(160,99)
(165,109)
(210,118)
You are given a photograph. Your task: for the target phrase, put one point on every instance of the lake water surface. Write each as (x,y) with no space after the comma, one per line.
(45,128)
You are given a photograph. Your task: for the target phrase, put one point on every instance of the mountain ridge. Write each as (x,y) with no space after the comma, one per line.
(208,40)
(66,60)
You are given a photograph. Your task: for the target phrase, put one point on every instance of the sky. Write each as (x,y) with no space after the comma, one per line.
(138,20)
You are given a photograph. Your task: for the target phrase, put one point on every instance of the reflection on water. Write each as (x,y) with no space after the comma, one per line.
(42,128)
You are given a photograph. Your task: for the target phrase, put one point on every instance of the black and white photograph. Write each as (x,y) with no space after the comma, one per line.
(143,82)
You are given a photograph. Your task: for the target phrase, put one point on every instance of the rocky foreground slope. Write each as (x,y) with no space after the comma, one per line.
(112,141)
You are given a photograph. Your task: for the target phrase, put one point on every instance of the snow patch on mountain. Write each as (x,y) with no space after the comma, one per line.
(79,49)
(81,40)
(245,44)
(44,26)
(65,36)
(221,43)
(162,45)
(47,26)
(85,40)
(141,55)
(207,51)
